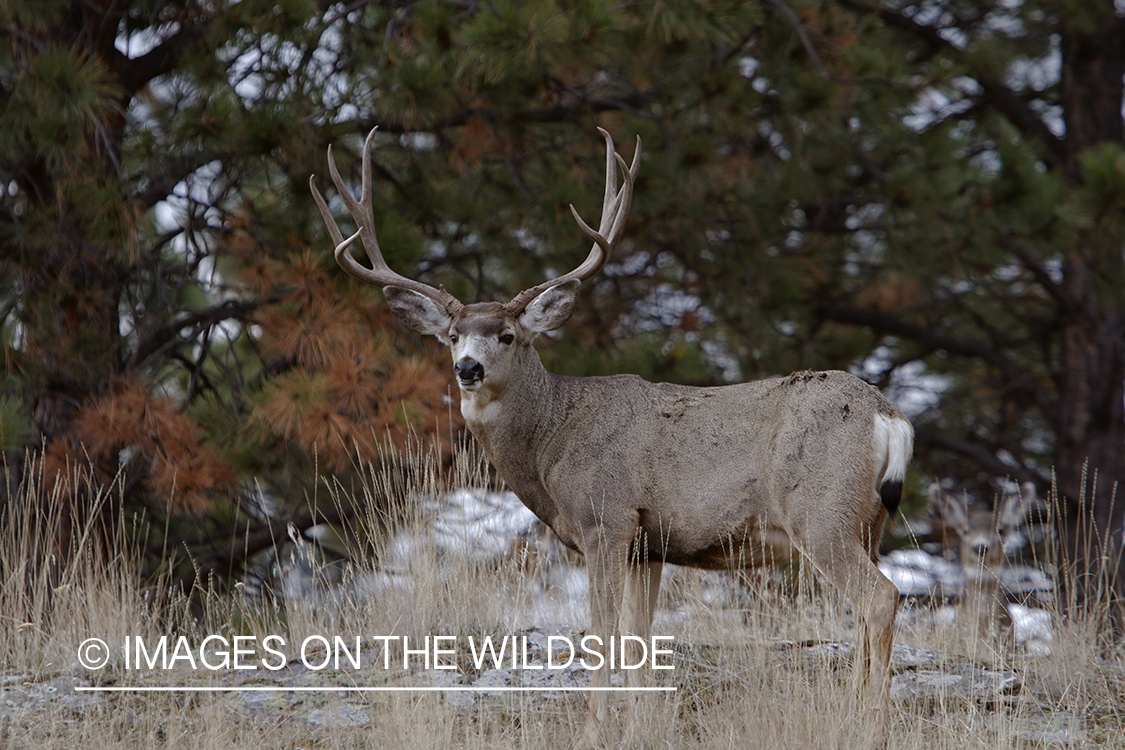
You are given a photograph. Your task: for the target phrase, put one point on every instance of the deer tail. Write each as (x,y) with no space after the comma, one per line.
(894,443)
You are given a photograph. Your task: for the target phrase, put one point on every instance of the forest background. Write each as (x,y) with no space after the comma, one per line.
(930,194)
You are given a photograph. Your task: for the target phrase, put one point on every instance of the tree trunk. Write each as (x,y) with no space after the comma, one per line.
(1093,60)
(1090,448)
(1090,464)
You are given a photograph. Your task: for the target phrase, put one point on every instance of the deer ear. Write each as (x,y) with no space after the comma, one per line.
(417,312)
(552,308)
(1015,506)
(950,509)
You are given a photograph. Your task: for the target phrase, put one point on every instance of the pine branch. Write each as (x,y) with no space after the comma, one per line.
(1018,379)
(802,33)
(159,187)
(1002,98)
(1058,291)
(136,73)
(559,113)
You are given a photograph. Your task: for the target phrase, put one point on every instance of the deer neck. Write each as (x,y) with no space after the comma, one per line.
(519,405)
(515,425)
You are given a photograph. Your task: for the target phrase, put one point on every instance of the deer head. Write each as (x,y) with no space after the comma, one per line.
(485,338)
(977,532)
(981,535)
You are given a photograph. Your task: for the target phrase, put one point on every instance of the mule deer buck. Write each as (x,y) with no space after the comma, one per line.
(980,536)
(737,475)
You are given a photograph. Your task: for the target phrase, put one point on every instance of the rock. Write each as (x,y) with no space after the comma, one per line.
(1067,738)
(970,683)
(341,717)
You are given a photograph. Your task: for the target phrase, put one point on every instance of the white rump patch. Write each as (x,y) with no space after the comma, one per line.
(894,444)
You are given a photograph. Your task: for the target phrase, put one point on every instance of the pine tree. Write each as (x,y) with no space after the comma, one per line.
(978,235)
(171,322)
(930,194)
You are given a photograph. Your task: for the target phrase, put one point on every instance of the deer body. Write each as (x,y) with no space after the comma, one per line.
(706,471)
(635,474)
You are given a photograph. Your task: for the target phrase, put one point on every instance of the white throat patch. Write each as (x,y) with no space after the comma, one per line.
(479,406)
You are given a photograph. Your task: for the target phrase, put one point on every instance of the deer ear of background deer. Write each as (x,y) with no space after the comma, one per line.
(953,510)
(552,308)
(1015,506)
(417,312)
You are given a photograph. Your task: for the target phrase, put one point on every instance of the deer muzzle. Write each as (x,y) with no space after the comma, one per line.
(469,371)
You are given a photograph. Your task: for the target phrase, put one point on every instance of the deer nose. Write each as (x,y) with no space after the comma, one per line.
(469,370)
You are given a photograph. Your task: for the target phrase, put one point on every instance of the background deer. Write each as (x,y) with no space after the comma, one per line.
(981,535)
(623,469)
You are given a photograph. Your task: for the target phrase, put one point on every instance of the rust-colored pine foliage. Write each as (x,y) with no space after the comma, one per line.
(130,419)
(349,377)
(336,377)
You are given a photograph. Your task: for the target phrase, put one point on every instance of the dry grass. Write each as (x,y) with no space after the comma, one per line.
(744,674)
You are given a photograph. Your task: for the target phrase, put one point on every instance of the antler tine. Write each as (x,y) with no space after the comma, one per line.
(615,207)
(380,274)
(615,210)
(611,194)
(329,220)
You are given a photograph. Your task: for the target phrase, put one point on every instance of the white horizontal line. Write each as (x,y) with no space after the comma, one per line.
(335,689)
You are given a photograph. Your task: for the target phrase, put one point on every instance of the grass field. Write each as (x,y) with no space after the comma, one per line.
(761,664)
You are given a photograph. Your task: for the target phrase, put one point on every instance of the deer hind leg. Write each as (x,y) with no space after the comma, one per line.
(848,565)
(642,585)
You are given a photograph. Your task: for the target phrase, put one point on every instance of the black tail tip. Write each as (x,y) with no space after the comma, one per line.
(891,494)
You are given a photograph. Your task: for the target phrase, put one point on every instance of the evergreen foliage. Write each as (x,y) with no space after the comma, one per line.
(928,193)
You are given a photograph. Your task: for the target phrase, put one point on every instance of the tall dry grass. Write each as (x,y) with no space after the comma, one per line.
(757,664)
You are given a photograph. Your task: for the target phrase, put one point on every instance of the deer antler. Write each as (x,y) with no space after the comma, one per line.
(380,274)
(615,208)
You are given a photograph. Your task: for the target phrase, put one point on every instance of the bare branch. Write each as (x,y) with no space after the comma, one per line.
(1019,379)
(1057,291)
(975,452)
(781,7)
(168,336)
(222,561)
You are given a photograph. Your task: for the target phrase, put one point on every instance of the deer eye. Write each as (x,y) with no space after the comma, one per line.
(507,338)
(453,338)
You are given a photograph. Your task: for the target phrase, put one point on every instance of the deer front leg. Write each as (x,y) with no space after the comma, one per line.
(605,563)
(642,585)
